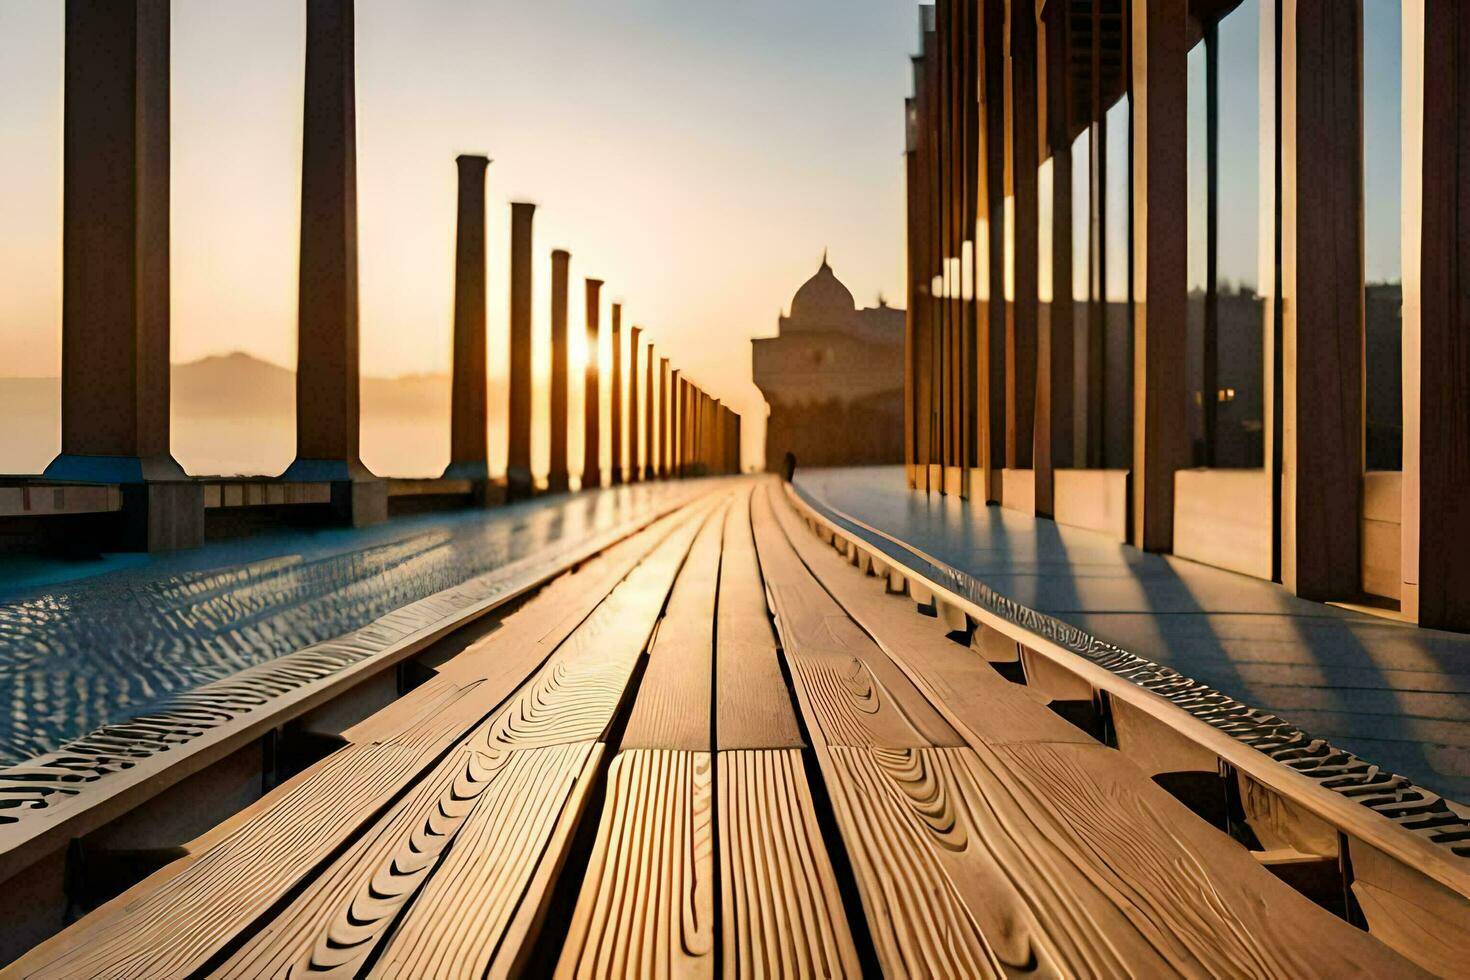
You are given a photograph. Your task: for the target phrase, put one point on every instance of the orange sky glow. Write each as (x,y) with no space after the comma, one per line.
(697,157)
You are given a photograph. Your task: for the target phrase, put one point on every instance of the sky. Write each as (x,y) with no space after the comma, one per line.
(697,157)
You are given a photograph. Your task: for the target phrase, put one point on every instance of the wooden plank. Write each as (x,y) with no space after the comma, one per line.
(493,885)
(647,904)
(1068,857)
(1410,912)
(1223,518)
(1162,890)
(845,683)
(346,912)
(781,911)
(753,705)
(672,710)
(962,686)
(276,845)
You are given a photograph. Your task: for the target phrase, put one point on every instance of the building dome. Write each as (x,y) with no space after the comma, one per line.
(822,299)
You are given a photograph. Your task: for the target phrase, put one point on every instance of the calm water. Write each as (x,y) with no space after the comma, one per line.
(107,640)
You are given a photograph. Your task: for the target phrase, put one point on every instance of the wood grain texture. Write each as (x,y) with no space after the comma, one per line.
(337,923)
(473,916)
(646,908)
(961,685)
(1061,849)
(852,691)
(781,911)
(672,710)
(1184,895)
(753,705)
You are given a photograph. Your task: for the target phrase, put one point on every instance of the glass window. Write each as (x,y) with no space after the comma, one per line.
(1117,316)
(1240,383)
(1226,313)
(1383,292)
(1197,260)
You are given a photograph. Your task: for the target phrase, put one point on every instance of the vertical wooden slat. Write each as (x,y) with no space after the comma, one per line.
(1022,323)
(1322,282)
(995,168)
(1160,244)
(1441,371)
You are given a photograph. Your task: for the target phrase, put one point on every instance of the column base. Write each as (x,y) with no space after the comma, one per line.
(162,508)
(358,498)
(360,503)
(518,484)
(592,480)
(558,483)
(162,516)
(483,492)
(617,475)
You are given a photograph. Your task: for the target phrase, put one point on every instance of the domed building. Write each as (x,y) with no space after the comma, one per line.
(833,378)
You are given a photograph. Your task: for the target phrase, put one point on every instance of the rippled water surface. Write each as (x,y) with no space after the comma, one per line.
(96,650)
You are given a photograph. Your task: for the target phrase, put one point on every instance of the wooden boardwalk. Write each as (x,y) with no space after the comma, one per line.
(716,748)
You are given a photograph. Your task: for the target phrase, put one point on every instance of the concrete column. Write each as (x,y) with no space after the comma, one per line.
(592,399)
(665,457)
(635,413)
(558,476)
(327,396)
(617,394)
(650,430)
(518,463)
(115,271)
(468,441)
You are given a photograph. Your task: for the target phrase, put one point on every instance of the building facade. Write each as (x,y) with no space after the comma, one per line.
(833,378)
(1200,261)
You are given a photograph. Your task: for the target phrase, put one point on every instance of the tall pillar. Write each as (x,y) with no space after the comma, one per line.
(617,394)
(115,271)
(1021,327)
(664,456)
(739,448)
(558,477)
(1054,383)
(518,463)
(1160,44)
(635,413)
(1322,292)
(327,393)
(468,441)
(676,423)
(1437,327)
(650,429)
(592,399)
(993,339)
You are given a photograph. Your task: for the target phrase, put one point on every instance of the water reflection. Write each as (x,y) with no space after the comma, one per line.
(99,650)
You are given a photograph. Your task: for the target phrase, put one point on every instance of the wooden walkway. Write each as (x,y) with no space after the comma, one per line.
(715,748)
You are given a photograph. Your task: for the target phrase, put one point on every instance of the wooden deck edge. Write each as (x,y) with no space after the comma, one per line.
(1356,819)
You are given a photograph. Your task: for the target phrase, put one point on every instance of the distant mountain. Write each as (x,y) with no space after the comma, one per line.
(241,386)
(233,414)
